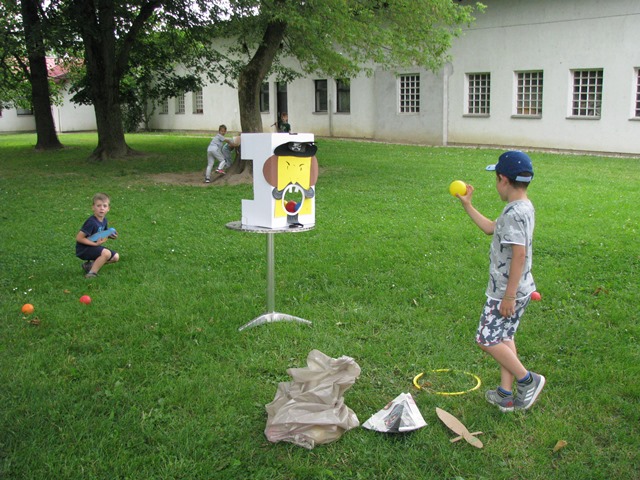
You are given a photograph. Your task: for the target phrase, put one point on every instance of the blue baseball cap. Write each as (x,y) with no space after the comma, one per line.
(512,164)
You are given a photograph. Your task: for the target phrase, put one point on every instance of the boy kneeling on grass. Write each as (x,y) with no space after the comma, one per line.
(94,254)
(510,281)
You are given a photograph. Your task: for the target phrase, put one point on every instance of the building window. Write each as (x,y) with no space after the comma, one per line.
(409,94)
(264,98)
(343,94)
(529,93)
(164,107)
(180,103)
(24,111)
(321,95)
(197,102)
(478,93)
(637,109)
(587,93)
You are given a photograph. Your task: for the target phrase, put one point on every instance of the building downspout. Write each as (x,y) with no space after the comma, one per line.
(330,117)
(447,71)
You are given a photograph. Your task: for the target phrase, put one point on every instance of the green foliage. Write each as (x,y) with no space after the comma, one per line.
(15,87)
(153,379)
(343,38)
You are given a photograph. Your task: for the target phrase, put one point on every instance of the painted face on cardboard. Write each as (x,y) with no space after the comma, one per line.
(293,179)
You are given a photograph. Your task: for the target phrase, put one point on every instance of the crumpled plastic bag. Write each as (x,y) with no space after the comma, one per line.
(310,410)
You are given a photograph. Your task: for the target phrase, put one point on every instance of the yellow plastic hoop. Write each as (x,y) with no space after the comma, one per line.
(442,370)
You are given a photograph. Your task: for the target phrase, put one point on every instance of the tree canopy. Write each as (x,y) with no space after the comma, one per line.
(139,51)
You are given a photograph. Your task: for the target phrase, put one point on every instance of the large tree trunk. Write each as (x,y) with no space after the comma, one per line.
(99,39)
(250,81)
(105,66)
(47,139)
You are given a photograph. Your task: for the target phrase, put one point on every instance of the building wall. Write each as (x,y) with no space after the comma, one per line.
(511,36)
(71,117)
(67,117)
(555,37)
(391,125)
(10,121)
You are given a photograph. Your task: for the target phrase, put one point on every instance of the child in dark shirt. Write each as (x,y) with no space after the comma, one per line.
(94,254)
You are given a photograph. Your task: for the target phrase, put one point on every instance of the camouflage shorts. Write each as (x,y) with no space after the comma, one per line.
(493,327)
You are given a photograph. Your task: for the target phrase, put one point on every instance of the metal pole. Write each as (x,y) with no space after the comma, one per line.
(271,273)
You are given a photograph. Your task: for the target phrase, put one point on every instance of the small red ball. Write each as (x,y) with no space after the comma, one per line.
(86,299)
(536,297)
(290,206)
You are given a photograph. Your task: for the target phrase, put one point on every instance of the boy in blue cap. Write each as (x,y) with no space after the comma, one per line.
(510,281)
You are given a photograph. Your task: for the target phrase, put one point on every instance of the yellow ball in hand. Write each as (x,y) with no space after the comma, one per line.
(458,187)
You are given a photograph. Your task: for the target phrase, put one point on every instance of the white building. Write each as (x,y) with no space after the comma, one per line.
(529,73)
(67,117)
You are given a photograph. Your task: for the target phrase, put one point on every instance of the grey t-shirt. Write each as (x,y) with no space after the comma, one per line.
(514,226)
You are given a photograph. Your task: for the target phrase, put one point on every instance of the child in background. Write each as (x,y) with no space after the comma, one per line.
(94,254)
(283,123)
(217,152)
(510,281)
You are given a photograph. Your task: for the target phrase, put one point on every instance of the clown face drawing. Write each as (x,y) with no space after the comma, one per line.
(292,171)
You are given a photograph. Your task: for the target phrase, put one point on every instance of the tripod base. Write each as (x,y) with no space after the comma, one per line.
(273,317)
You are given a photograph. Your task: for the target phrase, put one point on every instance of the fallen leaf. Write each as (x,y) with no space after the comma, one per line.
(559,445)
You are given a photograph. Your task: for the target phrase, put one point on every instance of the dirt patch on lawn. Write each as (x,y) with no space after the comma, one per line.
(196,179)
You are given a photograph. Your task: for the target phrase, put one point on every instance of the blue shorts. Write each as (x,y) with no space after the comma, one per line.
(91,252)
(493,327)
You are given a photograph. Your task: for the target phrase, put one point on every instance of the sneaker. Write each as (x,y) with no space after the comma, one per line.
(207,180)
(505,404)
(528,394)
(91,275)
(221,172)
(86,266)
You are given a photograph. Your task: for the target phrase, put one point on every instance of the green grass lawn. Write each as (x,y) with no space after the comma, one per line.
(153,380)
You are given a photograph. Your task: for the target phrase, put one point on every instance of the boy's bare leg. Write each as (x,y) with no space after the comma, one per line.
(506,377)
(102,259)
(505,354)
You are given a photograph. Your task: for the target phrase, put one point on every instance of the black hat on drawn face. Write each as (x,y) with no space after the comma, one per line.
(296,149)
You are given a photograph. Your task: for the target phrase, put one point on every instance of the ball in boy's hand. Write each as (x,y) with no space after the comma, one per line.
(27,309)
(458,187)
(86,299)
(536,297)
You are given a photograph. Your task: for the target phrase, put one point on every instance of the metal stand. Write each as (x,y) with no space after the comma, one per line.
(271,315)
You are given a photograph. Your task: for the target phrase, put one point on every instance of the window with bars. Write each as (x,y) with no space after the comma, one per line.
(478,93)
(343,94)
(164,107)
(529,93)
(409,93)
(198,106)
(637,109)
(587,93)
(321,95)
(180,103)
(264,97)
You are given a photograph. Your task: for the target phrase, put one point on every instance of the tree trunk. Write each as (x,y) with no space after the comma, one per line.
(47,139)
(250,81)
(103,74)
